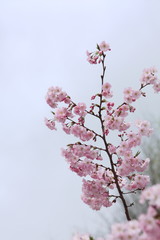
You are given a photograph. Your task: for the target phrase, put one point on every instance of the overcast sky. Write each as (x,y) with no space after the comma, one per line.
(42,44)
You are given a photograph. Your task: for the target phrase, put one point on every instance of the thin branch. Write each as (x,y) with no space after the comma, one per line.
(107,151)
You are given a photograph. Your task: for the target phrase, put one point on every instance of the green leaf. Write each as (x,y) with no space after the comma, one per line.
(91,238)
(98,49)
(137,154)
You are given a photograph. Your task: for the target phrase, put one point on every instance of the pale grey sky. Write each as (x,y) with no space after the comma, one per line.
(43,43)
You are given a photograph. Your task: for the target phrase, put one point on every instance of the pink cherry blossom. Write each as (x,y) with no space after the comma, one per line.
(81,132)
(94,58)
(55,95)
(149,76)
(104,46)
(152,195)
(62,114)
(80,109)
(50,124)
(97,56)
(131,95)
(144,128)
(106,90)
(112,149)
(156,86)
(95,194)
(138,182)
(66,129)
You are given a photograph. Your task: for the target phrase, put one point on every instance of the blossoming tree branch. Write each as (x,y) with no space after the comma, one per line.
(110,171)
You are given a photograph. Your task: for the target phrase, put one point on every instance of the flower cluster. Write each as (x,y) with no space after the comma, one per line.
(95,194)
(152,195)
(97,56)
(106,90)
(81,132)
(108,166)
(55,95)
(50,124)
(149,77)
(131,95)
(80,109)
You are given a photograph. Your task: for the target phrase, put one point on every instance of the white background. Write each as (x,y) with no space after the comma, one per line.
(43,43)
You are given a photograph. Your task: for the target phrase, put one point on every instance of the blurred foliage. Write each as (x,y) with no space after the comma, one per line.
(150,149)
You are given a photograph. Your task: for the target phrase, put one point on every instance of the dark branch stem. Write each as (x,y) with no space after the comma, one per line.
(107,151)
